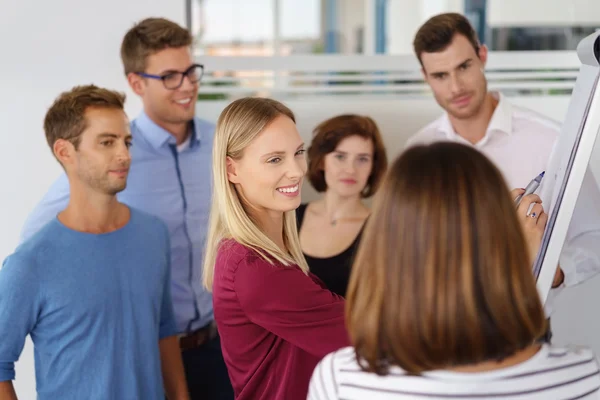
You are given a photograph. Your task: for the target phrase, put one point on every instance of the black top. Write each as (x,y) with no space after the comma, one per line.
(333,271)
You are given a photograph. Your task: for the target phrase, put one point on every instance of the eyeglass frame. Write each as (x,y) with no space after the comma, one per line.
(183,75)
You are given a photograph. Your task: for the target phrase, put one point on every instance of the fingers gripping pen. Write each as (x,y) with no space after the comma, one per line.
(531,187)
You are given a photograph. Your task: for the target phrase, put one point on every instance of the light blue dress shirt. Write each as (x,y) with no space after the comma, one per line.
(176,187)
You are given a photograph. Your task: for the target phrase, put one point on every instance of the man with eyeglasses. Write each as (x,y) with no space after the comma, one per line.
(170,177)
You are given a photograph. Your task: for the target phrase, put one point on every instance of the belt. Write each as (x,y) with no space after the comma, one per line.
(197,338)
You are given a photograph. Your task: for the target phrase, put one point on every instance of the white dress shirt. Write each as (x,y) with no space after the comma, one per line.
(520,142)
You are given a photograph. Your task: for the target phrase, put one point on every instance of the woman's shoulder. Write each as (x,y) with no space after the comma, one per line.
(346,357)
(237,264)
(325,380)
(553,369)
(231,252)
(342,359)
(232,246)
(553,354)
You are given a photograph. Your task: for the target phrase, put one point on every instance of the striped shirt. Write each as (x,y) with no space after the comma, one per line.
(553,373)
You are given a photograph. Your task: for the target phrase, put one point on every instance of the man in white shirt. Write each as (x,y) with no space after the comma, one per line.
(519,141)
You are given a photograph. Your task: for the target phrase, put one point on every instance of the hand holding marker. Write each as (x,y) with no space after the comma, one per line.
(531,187)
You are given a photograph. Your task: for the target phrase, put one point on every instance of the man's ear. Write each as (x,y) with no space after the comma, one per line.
(483,54)
(232,171)
(136,83)
(64,151)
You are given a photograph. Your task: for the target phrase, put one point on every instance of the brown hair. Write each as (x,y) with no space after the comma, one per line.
(437,33)
(328,135)
(65,118)
(442,277)
(148,37)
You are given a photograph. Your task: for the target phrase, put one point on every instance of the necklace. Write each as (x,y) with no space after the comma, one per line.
(334,221)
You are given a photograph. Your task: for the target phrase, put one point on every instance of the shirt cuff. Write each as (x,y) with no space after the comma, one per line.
(7,371)
(167,330)
(567,264)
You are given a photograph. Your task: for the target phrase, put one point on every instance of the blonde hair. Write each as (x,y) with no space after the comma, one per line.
(238,125)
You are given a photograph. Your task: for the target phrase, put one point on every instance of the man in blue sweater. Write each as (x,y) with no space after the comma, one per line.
(92,286)
(170,177)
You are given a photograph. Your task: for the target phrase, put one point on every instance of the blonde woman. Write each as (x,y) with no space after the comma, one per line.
(276,320)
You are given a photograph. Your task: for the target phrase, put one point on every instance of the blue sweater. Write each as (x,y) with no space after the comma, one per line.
(95,306)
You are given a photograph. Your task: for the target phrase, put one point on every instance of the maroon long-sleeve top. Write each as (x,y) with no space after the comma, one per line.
(275,322)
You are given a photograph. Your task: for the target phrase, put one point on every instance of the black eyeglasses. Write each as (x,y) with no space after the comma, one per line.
(174,79)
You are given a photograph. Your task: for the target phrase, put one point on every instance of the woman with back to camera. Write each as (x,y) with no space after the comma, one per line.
(275,319)
(346,161)
(442,302)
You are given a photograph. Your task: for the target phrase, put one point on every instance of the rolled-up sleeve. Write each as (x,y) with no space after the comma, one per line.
(19,308)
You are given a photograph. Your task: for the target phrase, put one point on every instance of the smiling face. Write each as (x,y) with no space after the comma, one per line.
(456,77)
(167,106)
(268,176)
(348,167)
(101,161)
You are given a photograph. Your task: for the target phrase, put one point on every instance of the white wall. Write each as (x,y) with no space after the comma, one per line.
(543,13)
(404,17)
(48,47)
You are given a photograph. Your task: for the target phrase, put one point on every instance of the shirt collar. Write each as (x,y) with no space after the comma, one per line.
(157,136)
(501,120)
(502,117)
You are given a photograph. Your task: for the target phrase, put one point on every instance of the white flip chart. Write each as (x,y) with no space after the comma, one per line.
(569,162)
